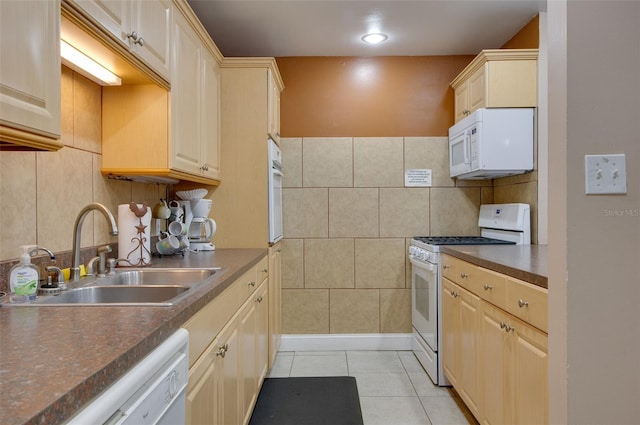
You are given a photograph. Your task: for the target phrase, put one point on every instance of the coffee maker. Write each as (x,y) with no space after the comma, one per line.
(201,228)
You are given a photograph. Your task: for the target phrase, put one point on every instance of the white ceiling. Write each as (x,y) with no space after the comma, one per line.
(334,27)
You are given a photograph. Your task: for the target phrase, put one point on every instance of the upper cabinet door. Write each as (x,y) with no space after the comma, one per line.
(30,71)
(143,26)
(185,94)
(151,21)
(210,116)
(273,108)
(111,14)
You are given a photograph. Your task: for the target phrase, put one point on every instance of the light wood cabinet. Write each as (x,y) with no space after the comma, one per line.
(195,104)
(228,351)
(243,198)
(275,301)
(151,134)
(497,78)
(460,325)
(496,324)
(514,358)
(30,74)
(142,26)
(254,332)
(204,389)
(274,107)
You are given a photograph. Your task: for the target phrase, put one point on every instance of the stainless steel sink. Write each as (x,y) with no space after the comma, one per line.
(157,276)
(134,295)
(134,287)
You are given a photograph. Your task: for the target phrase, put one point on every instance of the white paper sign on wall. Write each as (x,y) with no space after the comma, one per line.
(417,177)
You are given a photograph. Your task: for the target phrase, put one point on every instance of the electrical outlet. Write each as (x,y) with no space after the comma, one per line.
(605,174)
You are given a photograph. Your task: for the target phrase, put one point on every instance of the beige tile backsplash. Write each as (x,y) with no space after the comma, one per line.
(378,161)
(41,193)
(348,219)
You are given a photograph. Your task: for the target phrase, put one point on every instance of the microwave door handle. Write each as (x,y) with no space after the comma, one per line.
(277,172)
(466,143)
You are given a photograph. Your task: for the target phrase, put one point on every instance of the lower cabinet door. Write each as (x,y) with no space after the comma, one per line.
(204,389)
(515,363)
(530,365)
(494,365)
(248,335)
(230,375)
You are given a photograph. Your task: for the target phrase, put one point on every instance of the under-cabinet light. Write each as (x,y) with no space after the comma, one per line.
(83,64)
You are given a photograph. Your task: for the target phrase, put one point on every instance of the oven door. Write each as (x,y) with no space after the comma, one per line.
(424,311)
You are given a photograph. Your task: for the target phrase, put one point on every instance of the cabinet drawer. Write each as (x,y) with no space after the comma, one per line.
(263,269)
(249,282)
(208,322)
(528,302)
(486,284)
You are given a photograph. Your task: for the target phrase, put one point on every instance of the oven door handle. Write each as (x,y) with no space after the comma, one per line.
(424,265)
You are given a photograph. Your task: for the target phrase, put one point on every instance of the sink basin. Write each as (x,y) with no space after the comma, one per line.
(157,276)
(135,295)
(130,287)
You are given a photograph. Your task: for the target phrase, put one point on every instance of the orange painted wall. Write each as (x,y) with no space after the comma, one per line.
(527,38)
(368,96)
(375,96)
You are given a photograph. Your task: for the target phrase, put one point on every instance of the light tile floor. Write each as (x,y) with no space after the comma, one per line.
(394,389)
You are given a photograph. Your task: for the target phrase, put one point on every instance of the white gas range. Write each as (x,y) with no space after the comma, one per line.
(500,224)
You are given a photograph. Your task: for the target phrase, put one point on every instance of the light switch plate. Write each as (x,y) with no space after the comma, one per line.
(605,174)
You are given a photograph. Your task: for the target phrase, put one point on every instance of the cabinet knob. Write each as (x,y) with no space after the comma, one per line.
(251,284)
(487,287)
(522,303)
(264,270)
(222,350)
(205,167)
(466,112)
(464,275)
(506,327)
(139,42)
(445,267)
(259,299)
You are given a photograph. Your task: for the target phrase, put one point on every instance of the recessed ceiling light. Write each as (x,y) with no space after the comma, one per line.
(374,38)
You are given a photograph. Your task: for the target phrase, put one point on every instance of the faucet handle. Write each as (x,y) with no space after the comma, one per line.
(91,266)
(60,276)
(112,263)
(103,251)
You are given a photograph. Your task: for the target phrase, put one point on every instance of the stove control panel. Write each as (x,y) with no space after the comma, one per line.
(422,254)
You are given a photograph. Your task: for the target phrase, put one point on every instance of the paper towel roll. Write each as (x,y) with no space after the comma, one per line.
(134,234)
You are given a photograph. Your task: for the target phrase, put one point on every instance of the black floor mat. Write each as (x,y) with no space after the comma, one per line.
(308,401)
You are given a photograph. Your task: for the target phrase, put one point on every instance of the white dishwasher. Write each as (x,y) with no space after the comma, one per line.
(151,393)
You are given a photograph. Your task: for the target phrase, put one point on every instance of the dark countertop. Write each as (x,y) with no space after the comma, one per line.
(53,360)
(524,262)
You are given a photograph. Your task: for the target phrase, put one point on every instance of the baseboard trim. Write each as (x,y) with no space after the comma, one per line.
(335,342)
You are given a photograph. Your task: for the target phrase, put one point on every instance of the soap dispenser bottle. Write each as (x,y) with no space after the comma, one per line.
(23,278)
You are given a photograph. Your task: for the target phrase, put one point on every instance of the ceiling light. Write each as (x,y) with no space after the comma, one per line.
(374,38)
(83,64)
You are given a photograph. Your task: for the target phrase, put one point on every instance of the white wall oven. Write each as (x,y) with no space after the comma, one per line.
(275,192)
(500,224)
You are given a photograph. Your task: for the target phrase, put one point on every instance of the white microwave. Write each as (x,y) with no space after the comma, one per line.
(492,142)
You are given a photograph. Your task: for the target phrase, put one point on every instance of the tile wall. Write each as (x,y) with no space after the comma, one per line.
(348,219)
(41,193)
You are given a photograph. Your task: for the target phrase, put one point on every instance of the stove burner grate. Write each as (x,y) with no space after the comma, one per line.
(461,240)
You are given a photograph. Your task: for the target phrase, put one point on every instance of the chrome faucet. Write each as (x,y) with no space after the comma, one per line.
(77,230)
